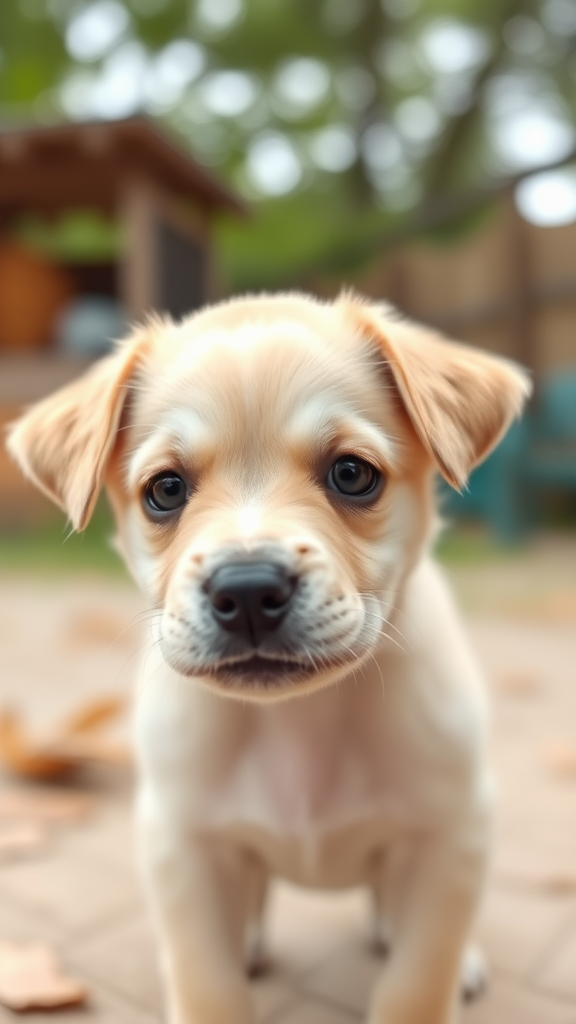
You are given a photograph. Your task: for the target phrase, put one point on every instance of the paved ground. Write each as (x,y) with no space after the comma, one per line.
(80,891)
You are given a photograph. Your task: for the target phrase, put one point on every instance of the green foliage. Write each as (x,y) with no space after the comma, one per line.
(53,549)
(81,235)
(292,238)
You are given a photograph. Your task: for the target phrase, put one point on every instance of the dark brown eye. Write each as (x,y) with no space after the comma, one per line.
(166,493)
(353,477)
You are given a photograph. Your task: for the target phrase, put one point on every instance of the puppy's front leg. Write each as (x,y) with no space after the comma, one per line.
(199,889)
(434,891)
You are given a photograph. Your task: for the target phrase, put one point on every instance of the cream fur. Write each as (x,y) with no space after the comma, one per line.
(380,780)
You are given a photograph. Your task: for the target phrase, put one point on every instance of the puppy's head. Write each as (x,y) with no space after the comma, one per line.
(269,462)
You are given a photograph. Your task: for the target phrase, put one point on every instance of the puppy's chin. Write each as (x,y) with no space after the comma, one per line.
(265,679)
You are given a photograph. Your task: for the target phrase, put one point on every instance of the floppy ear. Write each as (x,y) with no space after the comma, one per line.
(460,400)
(63,443)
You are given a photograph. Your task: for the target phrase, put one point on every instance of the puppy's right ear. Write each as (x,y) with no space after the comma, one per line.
(63,443)
(460,400)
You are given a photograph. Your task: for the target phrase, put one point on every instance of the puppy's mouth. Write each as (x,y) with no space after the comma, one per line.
(260,671)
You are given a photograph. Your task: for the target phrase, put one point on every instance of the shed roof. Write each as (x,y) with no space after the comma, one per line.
(52,168)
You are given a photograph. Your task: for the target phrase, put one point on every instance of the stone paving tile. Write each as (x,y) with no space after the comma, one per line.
(515,1004)
(75,894)
(516,929)
(304,928)
(315,1011)
(64,666)
(123,957)
(346,978)
(20,924)
(558,973)
(108,834)
(272,995)
(101,1008)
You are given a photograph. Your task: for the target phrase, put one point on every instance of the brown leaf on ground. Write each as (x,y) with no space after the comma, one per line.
(71,745)
(551,883)
(94,716)
(83,749)
(31,979)
(44,805)
(561,607)
(96,629)
(25,757)
(559,885)
(519,682)
(561,759)
(20,840)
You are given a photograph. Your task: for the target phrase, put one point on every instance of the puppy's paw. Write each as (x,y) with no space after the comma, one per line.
(380,939)
(474,974)
(256,962)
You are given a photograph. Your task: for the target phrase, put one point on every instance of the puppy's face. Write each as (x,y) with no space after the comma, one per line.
(271,479)
(272,496)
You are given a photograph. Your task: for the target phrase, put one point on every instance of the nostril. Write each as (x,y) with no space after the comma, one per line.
(276,598)
(224,605)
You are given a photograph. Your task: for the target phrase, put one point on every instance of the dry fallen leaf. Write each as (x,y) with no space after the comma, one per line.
(561,759)
(519,682)
(20,840)
(73,744)
(96,714)
(561,606)
(559,885)
(91,748)
(552,883)
(25,757)
(95,628)
(31,979)
(44,805)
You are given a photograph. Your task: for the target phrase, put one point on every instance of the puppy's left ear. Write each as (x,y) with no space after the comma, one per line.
(63,443)
(460,400)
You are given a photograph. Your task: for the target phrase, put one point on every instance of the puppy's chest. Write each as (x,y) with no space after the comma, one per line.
(295,783)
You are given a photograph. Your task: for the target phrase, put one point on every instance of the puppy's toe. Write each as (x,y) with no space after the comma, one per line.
(474,974)
(380,936)
(255,959)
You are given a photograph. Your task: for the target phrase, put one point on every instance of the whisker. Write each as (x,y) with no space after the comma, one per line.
(393,641)
(136,620)
(133,655)
(141,683)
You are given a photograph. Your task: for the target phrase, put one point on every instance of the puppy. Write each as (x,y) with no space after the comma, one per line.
(310,708)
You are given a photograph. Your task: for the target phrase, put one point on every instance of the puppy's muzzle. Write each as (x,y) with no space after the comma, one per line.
(250,598)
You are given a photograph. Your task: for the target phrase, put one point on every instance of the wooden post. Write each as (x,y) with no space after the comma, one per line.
(166,244)
(137,271)
(399,282)
(524,340)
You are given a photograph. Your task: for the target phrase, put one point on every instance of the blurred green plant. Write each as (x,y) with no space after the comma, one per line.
(77,236)
(52,549)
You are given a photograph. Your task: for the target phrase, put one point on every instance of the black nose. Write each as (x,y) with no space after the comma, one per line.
(250,597)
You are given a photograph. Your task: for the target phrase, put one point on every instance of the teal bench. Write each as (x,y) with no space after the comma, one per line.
(537,456)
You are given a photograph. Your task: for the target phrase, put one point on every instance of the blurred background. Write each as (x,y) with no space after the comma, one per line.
(159,154)
(163,153)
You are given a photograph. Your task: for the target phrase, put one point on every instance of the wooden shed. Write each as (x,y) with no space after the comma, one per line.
(156,200)
(470,265)
(506,285)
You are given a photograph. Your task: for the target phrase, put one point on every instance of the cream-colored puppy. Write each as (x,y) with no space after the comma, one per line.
(270,462)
